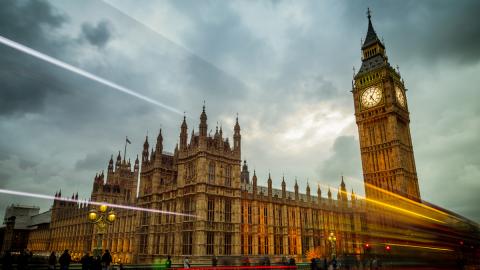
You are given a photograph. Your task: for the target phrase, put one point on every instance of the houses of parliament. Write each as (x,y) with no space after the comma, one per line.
(224,210)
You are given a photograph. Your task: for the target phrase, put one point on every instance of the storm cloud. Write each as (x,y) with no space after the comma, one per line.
(98,35)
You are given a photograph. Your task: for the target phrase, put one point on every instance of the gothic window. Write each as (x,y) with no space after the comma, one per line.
(143,243)
(249,214)
(211,210)
(227,244)
(241,216)
(187,243)
(250,245)
(210,242)
(265,242)
(228,210)
(260,246)
(165,243)
(265,215)
(188,208)
(190,171)
(211,172)
(144,218)
(280,218)
(228,176)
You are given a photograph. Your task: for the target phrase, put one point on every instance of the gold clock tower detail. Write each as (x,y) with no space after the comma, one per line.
(382,116)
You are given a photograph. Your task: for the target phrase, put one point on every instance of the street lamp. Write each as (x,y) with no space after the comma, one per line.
(333,244)
(101,218)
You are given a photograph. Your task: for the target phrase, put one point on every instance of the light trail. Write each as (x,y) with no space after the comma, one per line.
(128,207)
(399,209)
(415,246)
(81,72)
(405,199)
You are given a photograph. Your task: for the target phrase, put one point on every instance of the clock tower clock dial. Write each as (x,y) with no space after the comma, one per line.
(400,96)
(385,142)
(371,96)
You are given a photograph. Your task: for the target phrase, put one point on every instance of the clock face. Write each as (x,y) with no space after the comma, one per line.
(400,96)
(371,96)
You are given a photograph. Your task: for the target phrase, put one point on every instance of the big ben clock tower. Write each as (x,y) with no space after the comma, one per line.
(381,112)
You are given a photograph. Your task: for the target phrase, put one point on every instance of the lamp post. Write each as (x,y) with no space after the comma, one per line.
(101,218)
(333,244)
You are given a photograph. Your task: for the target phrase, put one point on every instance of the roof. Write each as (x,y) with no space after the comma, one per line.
(41,218)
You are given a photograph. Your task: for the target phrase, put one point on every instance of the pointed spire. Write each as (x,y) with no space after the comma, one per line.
(269,185)
(184,122)
(160,137)
(237,126)
(371,34)
(203,123)
(329,193)
(145,144)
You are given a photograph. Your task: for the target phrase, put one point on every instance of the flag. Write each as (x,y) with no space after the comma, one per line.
(128,141)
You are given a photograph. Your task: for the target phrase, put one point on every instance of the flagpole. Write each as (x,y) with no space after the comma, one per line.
(125,152)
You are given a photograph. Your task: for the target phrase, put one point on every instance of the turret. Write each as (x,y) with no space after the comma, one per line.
(329,194)
(203,124)
(319,194)
(145,151)
(296,189)
(269,181)
(245,174)
(119,161)
(135,167)
(284,188)
(254,183)
(110,165)
(237,138)
(183,134)
(343,191)
(308,192)
(159,148)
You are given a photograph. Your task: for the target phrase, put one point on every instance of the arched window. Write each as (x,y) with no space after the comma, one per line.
(211,172)
(228,176)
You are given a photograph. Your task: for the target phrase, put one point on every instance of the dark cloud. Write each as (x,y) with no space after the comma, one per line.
(431,30)
(344,160)
(98,35)
(31,22)
(92,161)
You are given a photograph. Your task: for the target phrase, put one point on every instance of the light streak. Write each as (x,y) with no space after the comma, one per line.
(81,72)
(415,246)
(128,207)
(390,206)
(405,199)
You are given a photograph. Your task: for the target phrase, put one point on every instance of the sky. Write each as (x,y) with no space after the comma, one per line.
(285,67)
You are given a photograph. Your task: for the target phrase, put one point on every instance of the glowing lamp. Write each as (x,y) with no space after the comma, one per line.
(103,208)
(387,248)
(111,217)
(92,216)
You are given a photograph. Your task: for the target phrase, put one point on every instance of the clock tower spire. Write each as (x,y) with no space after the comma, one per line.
(383,121)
